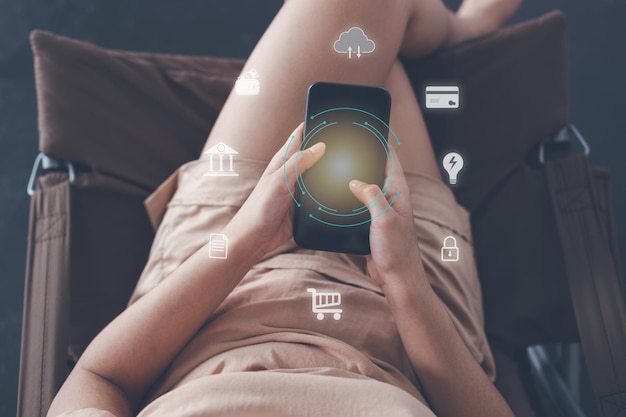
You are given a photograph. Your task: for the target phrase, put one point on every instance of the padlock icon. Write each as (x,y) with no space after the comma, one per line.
(449,251)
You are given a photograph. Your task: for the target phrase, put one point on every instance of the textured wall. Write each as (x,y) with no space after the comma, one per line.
(597,37)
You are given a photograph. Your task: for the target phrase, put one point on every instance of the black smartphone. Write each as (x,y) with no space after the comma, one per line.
(353,122)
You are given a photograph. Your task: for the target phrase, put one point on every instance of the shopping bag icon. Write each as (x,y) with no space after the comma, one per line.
(248,84)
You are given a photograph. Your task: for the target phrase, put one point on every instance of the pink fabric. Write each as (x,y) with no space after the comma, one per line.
(264,352)
(267,322)
(307,393)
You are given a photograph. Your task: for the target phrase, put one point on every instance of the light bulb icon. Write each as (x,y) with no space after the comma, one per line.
(453,163)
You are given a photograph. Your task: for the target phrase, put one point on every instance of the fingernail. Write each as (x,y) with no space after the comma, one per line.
(318,147)
(356,184)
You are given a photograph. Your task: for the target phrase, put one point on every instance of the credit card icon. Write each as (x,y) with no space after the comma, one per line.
(442,97)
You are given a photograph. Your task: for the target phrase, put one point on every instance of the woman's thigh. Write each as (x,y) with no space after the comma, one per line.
(297,50)
(416,151)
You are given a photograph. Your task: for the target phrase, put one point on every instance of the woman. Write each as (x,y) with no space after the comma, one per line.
(410,341)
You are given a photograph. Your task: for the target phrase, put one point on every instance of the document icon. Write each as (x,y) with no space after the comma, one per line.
(442,97)
(218,246)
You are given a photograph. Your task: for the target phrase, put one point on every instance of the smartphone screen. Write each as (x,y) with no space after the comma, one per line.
(353,122)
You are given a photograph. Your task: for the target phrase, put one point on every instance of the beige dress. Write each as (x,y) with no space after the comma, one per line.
(265,352)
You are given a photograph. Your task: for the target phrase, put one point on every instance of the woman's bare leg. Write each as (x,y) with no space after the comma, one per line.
(416,152)
(479,17)
(297,50)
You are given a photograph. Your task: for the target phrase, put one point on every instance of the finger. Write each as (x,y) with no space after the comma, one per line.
(396,187)
(394,174)
(288,149)
(301,161)
(371,196)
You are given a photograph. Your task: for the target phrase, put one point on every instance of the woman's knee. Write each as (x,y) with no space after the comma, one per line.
(367,6)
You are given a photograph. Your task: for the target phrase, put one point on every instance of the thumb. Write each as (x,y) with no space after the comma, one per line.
(303,160)
(371,196)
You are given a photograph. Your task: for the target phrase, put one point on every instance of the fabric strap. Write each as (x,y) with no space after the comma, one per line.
(594,280)
(43,359)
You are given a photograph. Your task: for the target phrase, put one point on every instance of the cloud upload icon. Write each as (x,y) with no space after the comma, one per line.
(354,41)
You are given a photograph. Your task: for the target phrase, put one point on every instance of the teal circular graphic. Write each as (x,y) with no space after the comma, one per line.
(301,186)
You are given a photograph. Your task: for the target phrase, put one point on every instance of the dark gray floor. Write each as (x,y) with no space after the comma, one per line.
(597,37)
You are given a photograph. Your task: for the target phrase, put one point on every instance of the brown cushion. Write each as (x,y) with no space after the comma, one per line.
(132,118)
(134,115)
(514,93)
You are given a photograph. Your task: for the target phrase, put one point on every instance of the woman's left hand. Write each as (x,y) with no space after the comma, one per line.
(395,262)
(266,218)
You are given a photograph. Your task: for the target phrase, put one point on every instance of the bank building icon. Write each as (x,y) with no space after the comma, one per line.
(221,161)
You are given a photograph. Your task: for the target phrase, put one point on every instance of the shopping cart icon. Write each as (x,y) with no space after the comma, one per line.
(323,303)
